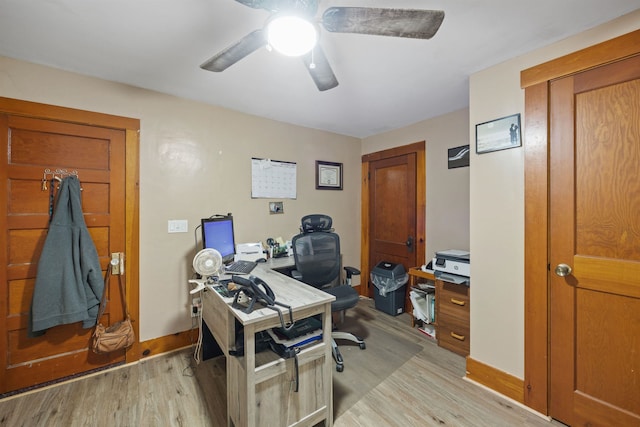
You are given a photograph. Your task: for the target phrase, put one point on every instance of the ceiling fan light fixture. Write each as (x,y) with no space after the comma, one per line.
(291,35)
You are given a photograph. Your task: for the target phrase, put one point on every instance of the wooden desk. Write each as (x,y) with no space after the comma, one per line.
(260,390)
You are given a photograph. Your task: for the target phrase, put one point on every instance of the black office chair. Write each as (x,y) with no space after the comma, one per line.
(317,256)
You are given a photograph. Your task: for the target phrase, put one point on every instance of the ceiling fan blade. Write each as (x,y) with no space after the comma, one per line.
(234,53)
(411,23)
(320,71)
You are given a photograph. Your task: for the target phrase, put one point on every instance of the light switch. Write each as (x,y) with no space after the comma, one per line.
(178,226)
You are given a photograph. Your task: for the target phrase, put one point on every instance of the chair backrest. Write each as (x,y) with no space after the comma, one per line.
(317,257)
(316,222)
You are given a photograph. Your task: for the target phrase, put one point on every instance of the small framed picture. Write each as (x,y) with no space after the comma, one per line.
(458,157)
(499,134)
(328,175)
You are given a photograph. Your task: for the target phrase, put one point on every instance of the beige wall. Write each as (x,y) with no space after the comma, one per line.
(195,162)
(497,205)
(447,212)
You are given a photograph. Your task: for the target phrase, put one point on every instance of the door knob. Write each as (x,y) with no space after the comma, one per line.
(563,270)
(409,243)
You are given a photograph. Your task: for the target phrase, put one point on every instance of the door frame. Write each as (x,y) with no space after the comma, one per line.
(421,203)
(131,128)
(536,82)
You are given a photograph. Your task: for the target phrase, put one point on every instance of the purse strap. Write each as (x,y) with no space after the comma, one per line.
(104,301)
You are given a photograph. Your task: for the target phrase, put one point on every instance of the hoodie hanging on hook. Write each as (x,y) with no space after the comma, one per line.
(69,283)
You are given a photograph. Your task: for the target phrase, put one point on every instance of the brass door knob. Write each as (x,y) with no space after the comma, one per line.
(563,270)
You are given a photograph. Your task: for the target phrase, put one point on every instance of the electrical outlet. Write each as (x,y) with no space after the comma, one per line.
(196,307)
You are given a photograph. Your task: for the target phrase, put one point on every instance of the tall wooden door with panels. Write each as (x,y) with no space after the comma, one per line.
(39,143)
(595,246)
(393,208)
(582,257)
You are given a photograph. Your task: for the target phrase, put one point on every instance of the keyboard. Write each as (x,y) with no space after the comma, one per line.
(240,267)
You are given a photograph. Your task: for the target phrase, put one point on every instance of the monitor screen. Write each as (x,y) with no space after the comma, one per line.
(217,233)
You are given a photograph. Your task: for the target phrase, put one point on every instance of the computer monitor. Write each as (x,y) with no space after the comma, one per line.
(217,233)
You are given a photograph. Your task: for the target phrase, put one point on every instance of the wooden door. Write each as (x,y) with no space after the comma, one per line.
(393,212)
(393,208)
(595,232)
(30,146)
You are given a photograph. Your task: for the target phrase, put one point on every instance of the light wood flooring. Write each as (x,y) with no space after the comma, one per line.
(426,390)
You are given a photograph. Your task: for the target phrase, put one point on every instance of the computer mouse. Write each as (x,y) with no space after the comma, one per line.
(261,260)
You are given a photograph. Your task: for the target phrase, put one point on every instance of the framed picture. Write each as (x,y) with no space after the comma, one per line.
(458,157)
(498,134)
(328,175)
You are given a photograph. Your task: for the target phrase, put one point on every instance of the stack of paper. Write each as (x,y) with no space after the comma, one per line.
(423,305)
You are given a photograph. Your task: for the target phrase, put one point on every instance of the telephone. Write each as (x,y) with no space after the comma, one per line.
(256,290)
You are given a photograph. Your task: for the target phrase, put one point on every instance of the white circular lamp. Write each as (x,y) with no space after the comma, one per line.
(291,35)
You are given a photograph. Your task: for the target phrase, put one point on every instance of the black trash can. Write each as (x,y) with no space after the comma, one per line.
(389,280)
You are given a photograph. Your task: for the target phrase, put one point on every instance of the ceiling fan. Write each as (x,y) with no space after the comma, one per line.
(410,23)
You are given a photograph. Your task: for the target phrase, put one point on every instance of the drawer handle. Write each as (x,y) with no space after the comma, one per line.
(457,301)
(456,336)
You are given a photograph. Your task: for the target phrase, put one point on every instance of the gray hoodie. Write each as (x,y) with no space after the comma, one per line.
(69,281)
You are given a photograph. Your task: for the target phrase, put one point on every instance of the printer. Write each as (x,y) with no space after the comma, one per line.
(453,266)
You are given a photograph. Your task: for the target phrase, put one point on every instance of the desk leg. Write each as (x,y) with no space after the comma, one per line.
(232,380)
(328,366)
(250,372)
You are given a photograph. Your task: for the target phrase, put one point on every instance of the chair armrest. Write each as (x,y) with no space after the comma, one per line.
(351,271)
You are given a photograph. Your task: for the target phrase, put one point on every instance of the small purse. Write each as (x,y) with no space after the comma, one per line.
(118,336)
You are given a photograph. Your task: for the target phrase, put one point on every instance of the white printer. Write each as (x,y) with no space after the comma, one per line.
(453,266)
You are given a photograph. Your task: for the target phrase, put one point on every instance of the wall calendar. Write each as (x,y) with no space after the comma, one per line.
(273,179)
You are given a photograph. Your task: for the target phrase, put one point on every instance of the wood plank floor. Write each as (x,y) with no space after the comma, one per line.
(426,390)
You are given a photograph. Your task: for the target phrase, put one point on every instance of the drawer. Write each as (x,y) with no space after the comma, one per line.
(450,311)
(450,291)
(456,324)
(454,339)
(453,301)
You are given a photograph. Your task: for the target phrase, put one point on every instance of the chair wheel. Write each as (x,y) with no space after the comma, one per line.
(339,368)
(362,346)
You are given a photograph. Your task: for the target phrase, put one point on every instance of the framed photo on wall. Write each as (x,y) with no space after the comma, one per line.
(328,175)
(458,157)
(499,134)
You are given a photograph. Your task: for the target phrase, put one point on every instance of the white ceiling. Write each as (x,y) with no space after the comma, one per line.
(385,82)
